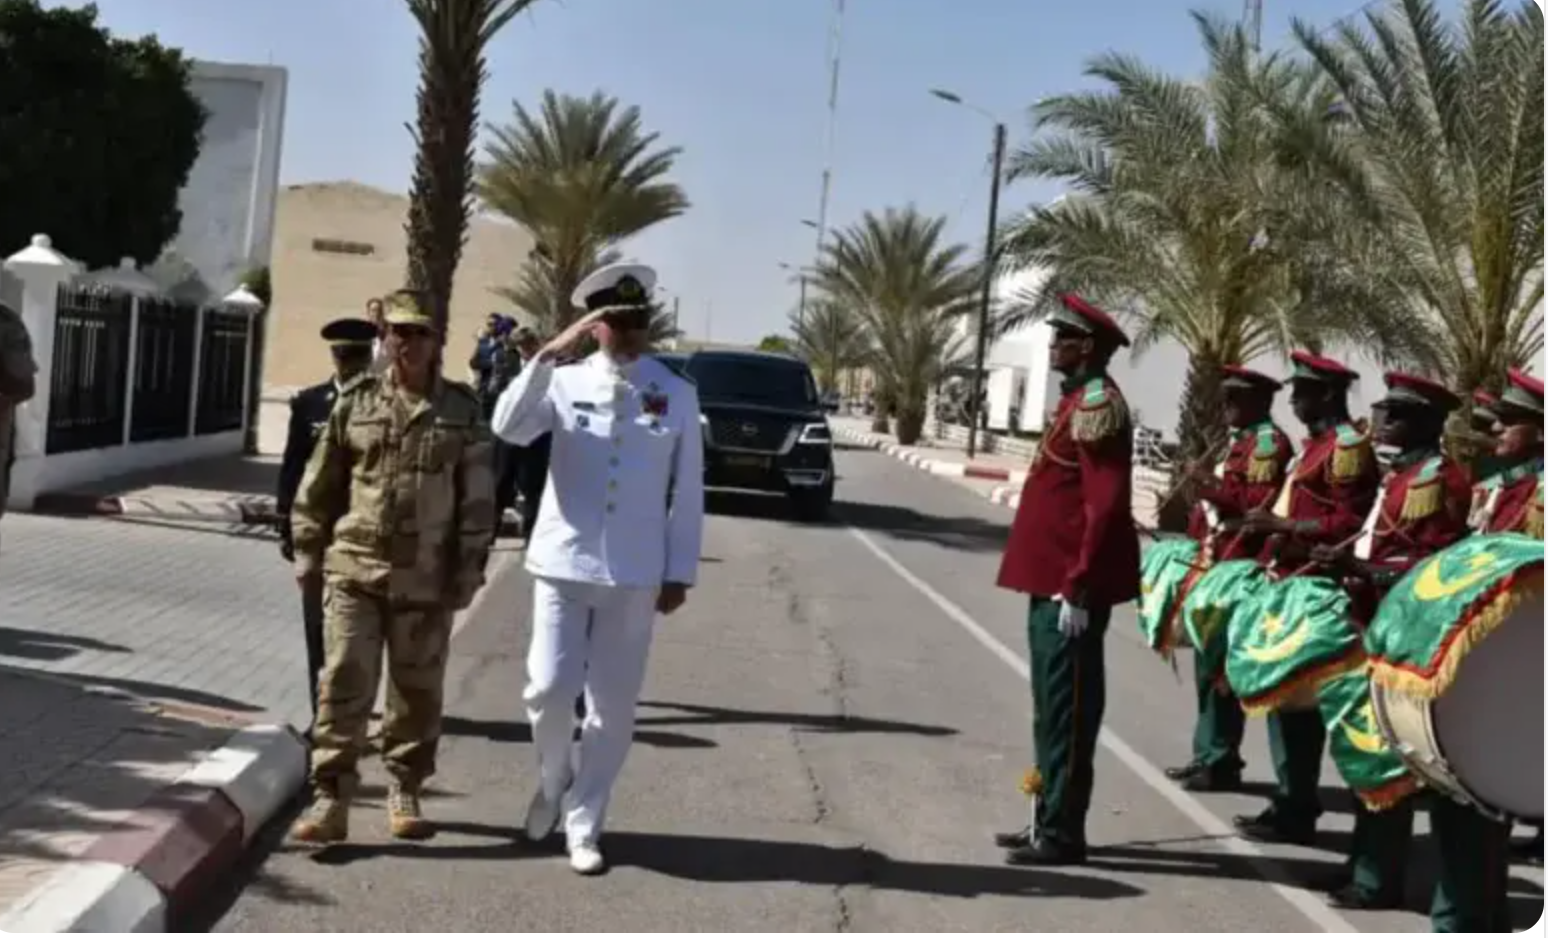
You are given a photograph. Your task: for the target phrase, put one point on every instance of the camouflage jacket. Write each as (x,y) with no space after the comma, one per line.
(398,497)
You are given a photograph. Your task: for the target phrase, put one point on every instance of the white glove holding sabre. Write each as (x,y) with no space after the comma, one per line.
(1072,619)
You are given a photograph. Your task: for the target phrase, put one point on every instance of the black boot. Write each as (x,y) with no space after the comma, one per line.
(1212,778)
(1013,841)
(1045,852)
(1270,826)
(1178,773)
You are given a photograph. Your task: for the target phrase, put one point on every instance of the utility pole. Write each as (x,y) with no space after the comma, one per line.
(835,46)
(1252,20)
(987,296)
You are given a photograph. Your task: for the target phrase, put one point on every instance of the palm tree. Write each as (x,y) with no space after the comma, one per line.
(536,295)
(831,338)
(452,37)
(1190,214)
(581,175)
(908,289)
(1437,146)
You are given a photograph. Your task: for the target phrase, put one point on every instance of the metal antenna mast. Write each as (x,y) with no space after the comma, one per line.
(835,46)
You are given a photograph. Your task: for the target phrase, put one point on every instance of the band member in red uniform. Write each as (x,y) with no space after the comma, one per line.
(1330,487)
(1248,478)
(1511,497)
(1421,509)
(1074,550)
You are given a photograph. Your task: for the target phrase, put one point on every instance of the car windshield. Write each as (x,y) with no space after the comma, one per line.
(770,382)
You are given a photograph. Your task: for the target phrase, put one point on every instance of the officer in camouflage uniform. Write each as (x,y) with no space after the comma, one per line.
(18,382)
(396,514)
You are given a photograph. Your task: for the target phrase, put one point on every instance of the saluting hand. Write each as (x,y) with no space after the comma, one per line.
(570,337)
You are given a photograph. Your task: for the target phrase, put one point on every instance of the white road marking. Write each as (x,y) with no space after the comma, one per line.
(1304,901)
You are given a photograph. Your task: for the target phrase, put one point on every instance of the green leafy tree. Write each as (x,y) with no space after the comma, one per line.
(774,343)
(582,175)
(453,35)
(908,288)
(1189,213)
(1437,146)
(100,135)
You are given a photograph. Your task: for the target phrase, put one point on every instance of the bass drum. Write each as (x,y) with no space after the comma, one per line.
(1481,742)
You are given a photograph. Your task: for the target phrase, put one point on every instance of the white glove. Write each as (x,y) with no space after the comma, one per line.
(1072,619)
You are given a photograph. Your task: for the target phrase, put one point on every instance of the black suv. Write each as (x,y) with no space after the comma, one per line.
(765,428)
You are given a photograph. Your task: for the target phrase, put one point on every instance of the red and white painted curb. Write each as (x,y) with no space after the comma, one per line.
(181,842)
(1008,494)
(245,511)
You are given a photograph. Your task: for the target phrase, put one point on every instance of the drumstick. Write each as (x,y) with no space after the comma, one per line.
(1209,457)
(1341,545)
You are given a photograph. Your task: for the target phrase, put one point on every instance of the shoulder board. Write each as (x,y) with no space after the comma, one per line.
(1094,394)
(1268,441)
(366,380)
(1350,436)
(1429,472)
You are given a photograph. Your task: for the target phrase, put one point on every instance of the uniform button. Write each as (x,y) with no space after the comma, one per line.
(610,507)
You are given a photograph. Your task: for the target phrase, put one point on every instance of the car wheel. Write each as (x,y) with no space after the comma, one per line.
(812,504)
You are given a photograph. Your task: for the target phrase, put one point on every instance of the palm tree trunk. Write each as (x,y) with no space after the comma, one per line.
(910,425)
(1199,430)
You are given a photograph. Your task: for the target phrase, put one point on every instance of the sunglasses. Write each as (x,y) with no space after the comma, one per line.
(629,320)
(409,332)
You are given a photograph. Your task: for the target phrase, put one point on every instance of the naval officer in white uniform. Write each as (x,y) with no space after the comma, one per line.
(616,541)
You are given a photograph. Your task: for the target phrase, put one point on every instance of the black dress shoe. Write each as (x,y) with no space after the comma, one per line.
(1271,827)
(1178,773)
(1331,883)
(1043,852)
(1012,841)
(1355,899)
(1210,778)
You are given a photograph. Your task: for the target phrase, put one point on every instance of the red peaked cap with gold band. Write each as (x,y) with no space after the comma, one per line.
(1080,316)
(1404,389)
(1309,367)
(1245,379)
(1523,391)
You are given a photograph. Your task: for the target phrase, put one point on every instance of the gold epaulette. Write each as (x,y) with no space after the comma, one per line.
(1532,526)
(1099,415)
(1425,494)
(1263,464)
(1353,454)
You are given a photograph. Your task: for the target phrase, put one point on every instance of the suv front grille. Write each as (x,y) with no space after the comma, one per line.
(760,434)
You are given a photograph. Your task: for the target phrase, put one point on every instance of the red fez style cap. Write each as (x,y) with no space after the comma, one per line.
(1082,317)
(1414,391)
(1245,378)
(1524,391)
(1309,367)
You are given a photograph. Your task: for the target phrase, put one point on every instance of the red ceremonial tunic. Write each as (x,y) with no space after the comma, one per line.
(1423,511)
(1510,501)
(1250,477)
(1074,532)
(1330,490)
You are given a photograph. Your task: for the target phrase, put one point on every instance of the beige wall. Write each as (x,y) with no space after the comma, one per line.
(312,287)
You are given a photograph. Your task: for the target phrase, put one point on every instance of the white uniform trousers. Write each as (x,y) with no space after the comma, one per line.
(594,637)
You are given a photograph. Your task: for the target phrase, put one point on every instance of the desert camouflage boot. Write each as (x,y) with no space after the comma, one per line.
(325,822)
(404,818)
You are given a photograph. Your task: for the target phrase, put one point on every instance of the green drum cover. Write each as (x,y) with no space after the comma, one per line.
(1296,633)
(1163,569)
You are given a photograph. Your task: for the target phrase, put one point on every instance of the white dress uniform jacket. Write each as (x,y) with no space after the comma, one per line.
(624,504)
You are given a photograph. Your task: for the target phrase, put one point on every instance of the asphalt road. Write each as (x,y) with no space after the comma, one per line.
(832,729)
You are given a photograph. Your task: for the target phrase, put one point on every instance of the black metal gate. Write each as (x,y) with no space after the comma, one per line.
(163,372)
(90,370)
(222,366)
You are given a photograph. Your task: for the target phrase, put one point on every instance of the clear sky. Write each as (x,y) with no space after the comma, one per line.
(741,85)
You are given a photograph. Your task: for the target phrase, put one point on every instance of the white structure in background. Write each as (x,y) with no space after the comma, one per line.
(1018,380)
(228,203)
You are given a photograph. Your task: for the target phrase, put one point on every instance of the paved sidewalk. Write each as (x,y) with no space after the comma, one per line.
(93,835)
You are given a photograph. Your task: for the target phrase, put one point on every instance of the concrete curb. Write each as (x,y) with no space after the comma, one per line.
(1008,494)
(247,511)
(182,841)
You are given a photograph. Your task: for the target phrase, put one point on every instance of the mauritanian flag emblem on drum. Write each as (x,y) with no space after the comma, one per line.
(1449,604)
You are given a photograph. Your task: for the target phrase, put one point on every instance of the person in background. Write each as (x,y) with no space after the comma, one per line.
(374,313)
(486,347)
(350,341)
(18,383)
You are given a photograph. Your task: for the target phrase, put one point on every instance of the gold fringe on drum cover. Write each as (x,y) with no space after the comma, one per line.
(1299,692)
(1483,617)
(1388,796)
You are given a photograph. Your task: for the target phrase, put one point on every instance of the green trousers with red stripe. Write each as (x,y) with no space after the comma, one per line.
(1069,694)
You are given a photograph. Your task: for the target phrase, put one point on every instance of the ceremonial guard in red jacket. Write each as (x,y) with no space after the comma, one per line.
(1247,479)
(1074,550)
(1511,497)
(1330,487)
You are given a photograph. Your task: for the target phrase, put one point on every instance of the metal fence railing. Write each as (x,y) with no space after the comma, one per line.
(164,370)
(222,370)
(90,370)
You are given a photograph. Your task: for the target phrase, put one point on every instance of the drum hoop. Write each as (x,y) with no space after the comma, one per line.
(1458,790)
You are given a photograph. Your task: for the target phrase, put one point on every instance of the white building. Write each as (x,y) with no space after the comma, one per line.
(228,203)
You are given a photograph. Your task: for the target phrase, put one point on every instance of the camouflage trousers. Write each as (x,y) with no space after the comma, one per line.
(357,626)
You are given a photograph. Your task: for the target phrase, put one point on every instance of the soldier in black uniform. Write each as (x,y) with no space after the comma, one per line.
(351,342)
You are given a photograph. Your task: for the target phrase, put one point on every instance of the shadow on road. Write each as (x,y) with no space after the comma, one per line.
(732,860)
(50,646)
(150,690)
(962,533)
(516,731)
(697,715)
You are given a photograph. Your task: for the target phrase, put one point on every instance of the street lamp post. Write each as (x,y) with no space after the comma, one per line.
(981,347)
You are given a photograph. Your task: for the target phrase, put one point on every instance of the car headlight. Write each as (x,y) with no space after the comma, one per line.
(815,433)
